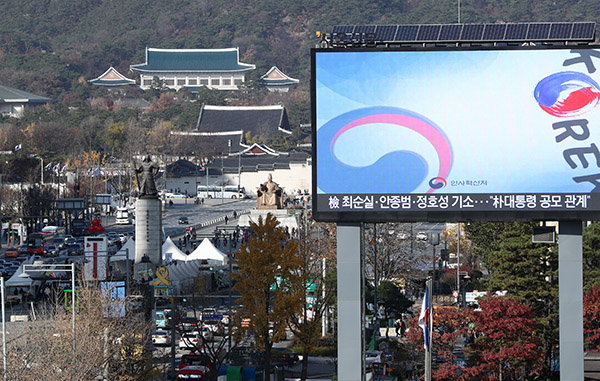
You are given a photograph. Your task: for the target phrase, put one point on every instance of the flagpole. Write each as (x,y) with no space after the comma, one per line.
(429,284)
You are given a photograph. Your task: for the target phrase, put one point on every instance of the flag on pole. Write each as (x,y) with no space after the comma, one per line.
(17,147)
(424,318)
(48,166)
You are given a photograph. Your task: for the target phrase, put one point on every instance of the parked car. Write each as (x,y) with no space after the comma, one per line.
(189,340)
(192,372)
(284,355)
(206,333)
(183,220)
(422,236)
(161,337)
(74,249)
(23,250)
(10,270)
(51,250)
(11,252)
(70,241)
(194,359)
(188,323)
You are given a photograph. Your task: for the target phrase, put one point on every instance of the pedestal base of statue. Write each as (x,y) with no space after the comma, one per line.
(148,237)
(285,218)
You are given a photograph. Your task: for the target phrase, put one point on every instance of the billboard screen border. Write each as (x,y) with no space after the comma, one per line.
(433,216)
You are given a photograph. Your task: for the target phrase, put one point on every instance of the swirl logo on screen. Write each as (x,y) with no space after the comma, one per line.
(380,150)
(567,94)
(437,183)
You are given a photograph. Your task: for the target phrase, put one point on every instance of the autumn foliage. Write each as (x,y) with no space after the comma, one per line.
(498,341)
(591,318)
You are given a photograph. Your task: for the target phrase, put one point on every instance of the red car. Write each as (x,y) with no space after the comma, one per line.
(194,359)
(11,252)
(192,372)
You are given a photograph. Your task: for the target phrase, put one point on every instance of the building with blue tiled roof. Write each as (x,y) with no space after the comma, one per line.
(111,78)
(14,102)
(218,69)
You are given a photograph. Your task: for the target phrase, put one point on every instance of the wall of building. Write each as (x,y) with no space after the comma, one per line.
(298,177)
(175,81)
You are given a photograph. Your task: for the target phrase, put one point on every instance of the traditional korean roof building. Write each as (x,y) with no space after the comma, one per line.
(218,69)
(249,168)
(277,81)
(14,102)
(226,129)
(112,79)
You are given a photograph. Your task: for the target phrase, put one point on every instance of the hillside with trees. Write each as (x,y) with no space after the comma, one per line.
(52,48)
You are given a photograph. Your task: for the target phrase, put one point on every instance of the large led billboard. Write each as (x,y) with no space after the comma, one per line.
(460,134)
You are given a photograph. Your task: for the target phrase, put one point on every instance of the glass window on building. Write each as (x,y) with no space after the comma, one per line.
(192,82)
(204,82)
(169,82)
(180,82)
(226,82)
(237,81)
(215,82)
(147,82)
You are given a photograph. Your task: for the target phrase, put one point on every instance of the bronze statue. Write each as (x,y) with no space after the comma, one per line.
(149,170)
(269,195)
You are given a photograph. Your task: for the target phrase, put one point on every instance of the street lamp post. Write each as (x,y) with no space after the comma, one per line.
(44,268)
(3,329)
(226,231)
(434,240)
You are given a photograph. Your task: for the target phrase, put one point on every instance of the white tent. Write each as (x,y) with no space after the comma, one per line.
(17,281)
(207,251)
(170,247)
(121,254)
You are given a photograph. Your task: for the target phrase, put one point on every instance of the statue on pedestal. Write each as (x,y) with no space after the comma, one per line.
(149,170)
(269,195)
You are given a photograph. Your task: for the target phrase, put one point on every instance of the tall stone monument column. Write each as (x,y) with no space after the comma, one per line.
(148,222)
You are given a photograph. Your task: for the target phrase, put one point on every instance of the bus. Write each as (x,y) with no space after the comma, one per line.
(215,191)
(123,217)
(79,227)
(56,230)
(37,242)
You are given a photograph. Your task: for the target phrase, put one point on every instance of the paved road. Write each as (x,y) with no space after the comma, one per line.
(211,213)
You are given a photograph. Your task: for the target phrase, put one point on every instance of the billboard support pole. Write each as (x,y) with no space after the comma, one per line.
(350,302)
(570,299)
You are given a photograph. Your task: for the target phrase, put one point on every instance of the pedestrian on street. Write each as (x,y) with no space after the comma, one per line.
(226,220)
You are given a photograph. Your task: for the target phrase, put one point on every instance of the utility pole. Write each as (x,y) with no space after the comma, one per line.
(458,261)
(376,307)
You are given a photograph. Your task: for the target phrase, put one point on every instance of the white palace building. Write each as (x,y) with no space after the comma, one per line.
(218,69)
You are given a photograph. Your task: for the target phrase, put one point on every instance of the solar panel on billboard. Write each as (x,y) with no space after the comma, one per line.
(450,32)
(560,31)
(428,32)
(406,33)
(364,29)
(472,32)
(494,32)
(386,32)
(516,32)
(538,31)
(343,29)
(584,30)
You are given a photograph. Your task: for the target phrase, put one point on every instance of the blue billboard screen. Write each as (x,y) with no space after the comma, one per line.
(497,134)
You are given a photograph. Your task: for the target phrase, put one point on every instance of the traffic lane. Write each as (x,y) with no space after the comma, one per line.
(198,215)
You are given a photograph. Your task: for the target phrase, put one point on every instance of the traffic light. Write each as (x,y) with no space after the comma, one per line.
(444,255)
